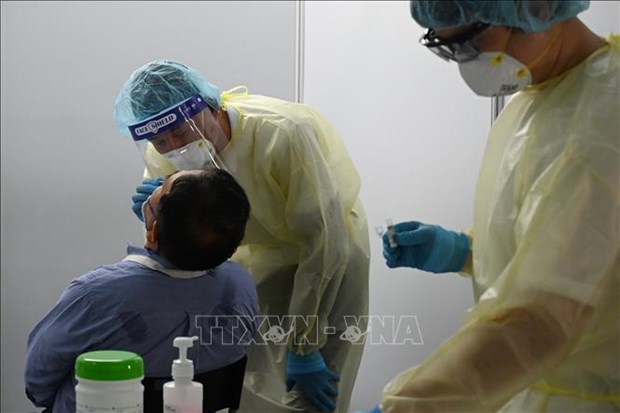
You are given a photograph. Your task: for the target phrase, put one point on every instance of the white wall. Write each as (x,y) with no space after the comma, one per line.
(67,176)
(417,135)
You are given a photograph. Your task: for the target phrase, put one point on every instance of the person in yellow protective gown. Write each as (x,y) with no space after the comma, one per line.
(543,253)
(306,242)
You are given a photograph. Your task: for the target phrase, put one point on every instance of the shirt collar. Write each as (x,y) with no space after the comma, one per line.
(133,250)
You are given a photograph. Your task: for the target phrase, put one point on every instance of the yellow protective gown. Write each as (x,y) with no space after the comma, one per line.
(544,334)
(306,242)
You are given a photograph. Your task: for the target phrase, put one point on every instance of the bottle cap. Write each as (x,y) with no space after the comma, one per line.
(109,365)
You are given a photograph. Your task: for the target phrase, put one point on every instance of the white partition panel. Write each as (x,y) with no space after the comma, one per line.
(67,176)
(417,134)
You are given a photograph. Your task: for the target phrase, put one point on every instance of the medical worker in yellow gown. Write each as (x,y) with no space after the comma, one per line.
(543,253)
(306,243)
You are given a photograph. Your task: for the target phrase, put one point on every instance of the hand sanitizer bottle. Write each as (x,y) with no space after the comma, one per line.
(182,395)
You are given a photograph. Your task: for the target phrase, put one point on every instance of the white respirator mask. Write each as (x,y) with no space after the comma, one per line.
(495,74)
(199,154)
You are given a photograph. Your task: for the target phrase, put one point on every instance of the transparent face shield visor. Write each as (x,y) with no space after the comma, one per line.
(174,140)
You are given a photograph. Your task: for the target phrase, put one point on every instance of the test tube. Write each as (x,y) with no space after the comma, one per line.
(390,233)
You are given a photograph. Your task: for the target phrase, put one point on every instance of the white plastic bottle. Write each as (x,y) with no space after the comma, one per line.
(182,395)
(109,381)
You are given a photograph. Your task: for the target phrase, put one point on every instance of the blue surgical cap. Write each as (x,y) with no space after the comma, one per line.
(529,16)
(157,86)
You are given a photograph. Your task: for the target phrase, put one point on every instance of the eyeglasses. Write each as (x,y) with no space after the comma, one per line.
(459,48)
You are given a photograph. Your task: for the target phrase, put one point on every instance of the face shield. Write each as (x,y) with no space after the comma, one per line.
(174,139)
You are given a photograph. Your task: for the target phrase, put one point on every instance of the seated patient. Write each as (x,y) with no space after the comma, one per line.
(175,286)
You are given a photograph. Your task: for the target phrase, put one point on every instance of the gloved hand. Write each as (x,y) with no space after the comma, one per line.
(311,375)
(427,247)
(143,191)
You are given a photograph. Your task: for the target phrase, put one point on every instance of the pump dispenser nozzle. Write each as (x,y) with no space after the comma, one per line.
(182,394)
(183,367)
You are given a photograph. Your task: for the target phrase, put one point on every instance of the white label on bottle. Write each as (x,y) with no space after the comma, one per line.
(85,408)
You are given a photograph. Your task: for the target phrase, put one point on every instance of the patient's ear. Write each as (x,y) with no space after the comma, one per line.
(152,235)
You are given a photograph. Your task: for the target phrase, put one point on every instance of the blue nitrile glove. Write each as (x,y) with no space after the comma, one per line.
(143,191)
(311,375)
(427,247)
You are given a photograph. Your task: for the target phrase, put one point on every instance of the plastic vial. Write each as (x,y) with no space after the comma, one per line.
(109,381)
(391,232)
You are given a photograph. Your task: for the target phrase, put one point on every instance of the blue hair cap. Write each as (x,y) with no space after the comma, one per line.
(157,86)
(529,16)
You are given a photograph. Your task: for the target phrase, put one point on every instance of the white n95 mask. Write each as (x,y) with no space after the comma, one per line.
(199,154)
(495,74)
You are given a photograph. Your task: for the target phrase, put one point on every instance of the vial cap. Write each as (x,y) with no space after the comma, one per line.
(109,365)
